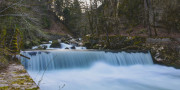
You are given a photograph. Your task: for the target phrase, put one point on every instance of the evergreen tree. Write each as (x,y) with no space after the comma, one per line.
(59,7)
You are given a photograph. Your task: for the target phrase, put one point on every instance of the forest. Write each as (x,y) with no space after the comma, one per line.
(101,24)
(25,23)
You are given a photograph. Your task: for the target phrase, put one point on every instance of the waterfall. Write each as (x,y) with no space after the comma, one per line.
(64,59)
(98,70)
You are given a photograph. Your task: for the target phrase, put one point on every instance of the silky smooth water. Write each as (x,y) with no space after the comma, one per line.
(61,46)
(99,70)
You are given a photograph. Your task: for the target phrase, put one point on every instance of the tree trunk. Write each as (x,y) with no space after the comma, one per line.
(147,7)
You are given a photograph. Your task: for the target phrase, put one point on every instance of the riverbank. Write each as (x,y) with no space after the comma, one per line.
(15,77)
(164,50)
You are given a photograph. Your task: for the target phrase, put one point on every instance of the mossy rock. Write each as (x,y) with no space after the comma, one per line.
(134,47)
(22,80)
(91,39)
(37,88)
(4,88)
(73,47)
(43,39)
(30,44)
(96,46)
(115,41)
(20,71)
(87,45)
(66,48)
(55,44)
(63,39)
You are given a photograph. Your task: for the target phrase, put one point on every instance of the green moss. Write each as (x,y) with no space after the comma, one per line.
(116,42)
(129,31)
(168,53)
(143,31)
(43,40)
(35,42)
(55,44)
(137,42)
(96,46)
(91,39)
(30,44)
(134,47)
(37,88)
(22,80)
(4,88)
(14,88)
(26,77)
(1,75)
(20,71)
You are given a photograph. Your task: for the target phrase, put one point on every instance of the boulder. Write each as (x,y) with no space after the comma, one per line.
(55,44)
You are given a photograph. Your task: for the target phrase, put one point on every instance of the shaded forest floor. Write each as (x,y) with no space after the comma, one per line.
(56,27)
(15,77)
(141,31)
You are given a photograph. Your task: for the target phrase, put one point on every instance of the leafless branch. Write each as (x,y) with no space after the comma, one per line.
(11,6)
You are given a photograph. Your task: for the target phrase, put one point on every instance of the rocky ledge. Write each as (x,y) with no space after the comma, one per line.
(15,77)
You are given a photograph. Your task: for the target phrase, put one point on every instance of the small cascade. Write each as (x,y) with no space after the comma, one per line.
(59,59)
(80,48)
(62,46)
(69,46)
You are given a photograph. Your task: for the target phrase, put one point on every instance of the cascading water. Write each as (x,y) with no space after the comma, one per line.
(62,46)
(98,70)
(73,59)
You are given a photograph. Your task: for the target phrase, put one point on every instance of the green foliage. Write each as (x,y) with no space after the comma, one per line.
(114,16)
(59,7)
(71,13)
(132,10)
(44,40)
(116,42)
(2,37)
(46,23)
(9,45)
(66,15)
(29,16)
(171,17)
(4,56)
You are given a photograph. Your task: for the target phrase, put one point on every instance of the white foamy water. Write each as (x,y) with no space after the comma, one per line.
(62,46)
(98,70)
(105,77)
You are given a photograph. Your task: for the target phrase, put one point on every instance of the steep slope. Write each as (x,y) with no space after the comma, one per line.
(56,26)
